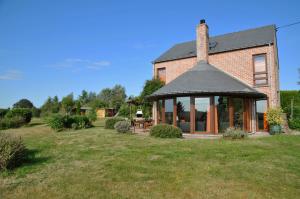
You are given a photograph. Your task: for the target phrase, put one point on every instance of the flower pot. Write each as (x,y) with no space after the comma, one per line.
(275,129)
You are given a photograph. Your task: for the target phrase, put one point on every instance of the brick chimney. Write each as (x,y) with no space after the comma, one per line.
(202,41)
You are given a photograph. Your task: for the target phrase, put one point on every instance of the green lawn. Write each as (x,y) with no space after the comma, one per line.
(99,163)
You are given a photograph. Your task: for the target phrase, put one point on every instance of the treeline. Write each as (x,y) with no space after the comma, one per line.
(106,98)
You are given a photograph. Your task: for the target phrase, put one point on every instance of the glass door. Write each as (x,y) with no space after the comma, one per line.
(201,113)
(222,105)
(183,113)
(261,110)
(238,113)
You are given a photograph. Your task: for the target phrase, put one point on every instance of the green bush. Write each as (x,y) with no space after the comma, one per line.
(165,131)
(122,126)
(25,113)
(58,122)
(92,115)
(82,121)
(235,133)
(294,123)
(15,122)
(3,112)
(110,122)
(12,151)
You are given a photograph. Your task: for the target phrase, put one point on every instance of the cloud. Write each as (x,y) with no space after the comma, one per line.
(11,75)
(77,64)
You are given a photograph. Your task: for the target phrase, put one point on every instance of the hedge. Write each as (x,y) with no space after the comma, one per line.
(165,131)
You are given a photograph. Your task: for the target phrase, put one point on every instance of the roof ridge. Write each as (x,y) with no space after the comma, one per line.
(245,30)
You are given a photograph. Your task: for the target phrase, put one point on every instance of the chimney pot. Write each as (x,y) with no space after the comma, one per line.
(202,21)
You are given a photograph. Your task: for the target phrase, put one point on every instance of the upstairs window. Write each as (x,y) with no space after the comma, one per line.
(260,70)
(161,74)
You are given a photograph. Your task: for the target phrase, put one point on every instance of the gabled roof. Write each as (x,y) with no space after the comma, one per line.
(232,41)
(204,78)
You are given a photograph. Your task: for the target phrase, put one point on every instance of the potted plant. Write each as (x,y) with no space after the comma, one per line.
(274,120)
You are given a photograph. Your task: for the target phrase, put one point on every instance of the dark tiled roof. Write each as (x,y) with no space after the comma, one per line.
(232,41)
(204,78)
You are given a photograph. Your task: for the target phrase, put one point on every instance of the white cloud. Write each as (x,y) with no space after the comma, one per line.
(77,64)
(11,75)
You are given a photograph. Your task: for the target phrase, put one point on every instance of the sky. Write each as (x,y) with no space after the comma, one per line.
(55,47)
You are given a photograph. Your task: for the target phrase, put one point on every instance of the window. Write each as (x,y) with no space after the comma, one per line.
(261,110)
(260,69)
(183,113)
(159,111)
(238,112)
(201,112)
(161,74)
(222,105)
(169,111)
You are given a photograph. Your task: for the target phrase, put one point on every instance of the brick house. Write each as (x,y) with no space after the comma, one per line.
(218,82)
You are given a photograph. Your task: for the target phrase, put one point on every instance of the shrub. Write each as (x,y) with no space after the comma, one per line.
(56,122)
(110,122)
(14,122)
(274,116)
(82,121)
(92,115)
(59,122)
(25,113)
(165,131)
(12,151)
(122,126)
(294,123)
(3,112)
(74,126)
(235,133)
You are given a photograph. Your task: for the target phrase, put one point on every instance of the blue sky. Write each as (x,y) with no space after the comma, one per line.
(57,47)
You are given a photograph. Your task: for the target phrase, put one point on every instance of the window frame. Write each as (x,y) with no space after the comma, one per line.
(260,73)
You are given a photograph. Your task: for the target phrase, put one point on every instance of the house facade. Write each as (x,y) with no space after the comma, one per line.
(217,82)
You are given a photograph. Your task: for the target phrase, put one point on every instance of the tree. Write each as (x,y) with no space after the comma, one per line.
(150,87)
(105,95)
(68,103)
(23,103)
(118,96)
(83,98)
(55,106)
(97,103)
(78,107)
(92,115)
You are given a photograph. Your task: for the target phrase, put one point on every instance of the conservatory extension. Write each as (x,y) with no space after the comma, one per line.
(206,100)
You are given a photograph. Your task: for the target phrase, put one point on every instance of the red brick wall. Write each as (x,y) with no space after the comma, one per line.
(237,63)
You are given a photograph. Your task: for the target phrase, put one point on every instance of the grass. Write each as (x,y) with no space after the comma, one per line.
(100,163)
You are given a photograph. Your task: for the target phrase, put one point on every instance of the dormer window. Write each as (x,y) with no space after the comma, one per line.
(260,70)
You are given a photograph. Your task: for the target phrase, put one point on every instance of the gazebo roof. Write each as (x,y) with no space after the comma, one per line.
(205,79)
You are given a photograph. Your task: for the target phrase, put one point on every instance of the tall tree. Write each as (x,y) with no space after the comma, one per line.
(150,87)
(118,96)
(105,95)
(68,103)
(23,103)
(83,98)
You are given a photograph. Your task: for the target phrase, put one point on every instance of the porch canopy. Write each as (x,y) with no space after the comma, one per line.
(205,79)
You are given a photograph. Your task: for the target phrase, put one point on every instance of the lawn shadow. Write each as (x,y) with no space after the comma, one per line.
(34,124)
(32,159)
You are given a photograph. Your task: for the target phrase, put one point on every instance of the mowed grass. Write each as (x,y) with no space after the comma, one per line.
(99,163)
